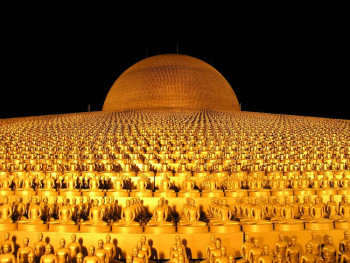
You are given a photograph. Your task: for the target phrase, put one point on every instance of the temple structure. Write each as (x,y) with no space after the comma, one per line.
(171,168)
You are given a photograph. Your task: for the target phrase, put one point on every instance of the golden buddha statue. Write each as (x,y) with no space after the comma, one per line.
(128,169)
(95,216)
(254,213)
(345,256)
(255,252)
(142,186)
(266,257)
(330,248)
(344,181)
(223,215)
(34,213)
(91,257)
(74,248)
(191,214)
(7,256)
(48,184)
(18,209)
(344,210)
(62,253)
(5,211)
(293,252)
(182,170)
(6,185)
(210,184)
(65,214)
(39,247)
(308,256)
(127,216)
(188,185)
(165,185)
(101,252)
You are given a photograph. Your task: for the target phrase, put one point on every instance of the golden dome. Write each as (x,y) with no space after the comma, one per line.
(171,81)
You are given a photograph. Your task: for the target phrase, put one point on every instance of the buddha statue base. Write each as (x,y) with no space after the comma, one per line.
(190,229)
(281,193)
(94,229)
(342,225)
(298,226)
(213,194)
(238,193)
(189,194)
(20,173)
(257,227)
(324,225)
(343,191)
(32,227)
(47,193)
(6,192)
(25,193)
(118,193)
(127,229)
(8,226)
(62,228)
(94,194)
(141,194)
(69,193)
(328,191)
(224,229)
(259,193)
(164,194)
(160,229)
(303,192)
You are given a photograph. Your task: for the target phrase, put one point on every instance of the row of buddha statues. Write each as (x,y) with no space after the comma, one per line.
(208,182)
(285,249)
(107,211)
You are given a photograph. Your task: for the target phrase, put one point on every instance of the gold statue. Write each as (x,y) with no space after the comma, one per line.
(281,246)
(7,256)
(5,211)
(62,253)
(10,242)
(65,214)
(330,248)
(91,257)
(101,252)
(39,248)
(266,257)
(245,248)
(22,253)
(95,215)
(48,257)
(127,216)
(191,214)
(34,213)
(255,252)
(308,256)
(160,215)
(188,185)
(293,252)
(165,184)
(345,256)
(74,248)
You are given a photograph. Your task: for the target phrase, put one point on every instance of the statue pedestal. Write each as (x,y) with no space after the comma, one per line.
(93,194)
(264,193)
(141,194)
(33,227)
(224,229)
(213,194)
(6,192)
(47,193)
(328,191)
(94,229)
(282,193)
(189,194)
(343,191)
(118,193)
(160,229)
(164,194)
(69,193)
(304,192)
(127,229)
(62,228)
(257,227)
(289,226)
(319,225)
(238,193)
(8,226)
(192,229)
(342,225)
(25,193)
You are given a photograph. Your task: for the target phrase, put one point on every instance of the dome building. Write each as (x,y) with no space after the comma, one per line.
(171,81)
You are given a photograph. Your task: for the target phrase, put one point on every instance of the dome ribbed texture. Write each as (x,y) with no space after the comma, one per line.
(171,81)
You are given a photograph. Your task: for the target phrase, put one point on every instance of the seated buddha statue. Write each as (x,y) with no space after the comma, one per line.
(332,210)
(344,181)
(118,184)
(160,215)
(188,185)
(165,185)
(65,214)
(70,183)
(95,215)
(210,184)
(5,183)
(94,184)
(255,215)
(146,170)
(344,210)
(224,215)
(127,216)
(128,169)
(182,170)
(191,214)
(48,184)
(34,213)
(6,211)
(27,184)
(142,184)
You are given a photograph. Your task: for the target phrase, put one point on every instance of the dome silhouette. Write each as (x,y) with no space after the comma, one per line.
(172,81)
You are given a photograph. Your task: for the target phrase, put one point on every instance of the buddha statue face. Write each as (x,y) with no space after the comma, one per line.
(91,250)
(73,238)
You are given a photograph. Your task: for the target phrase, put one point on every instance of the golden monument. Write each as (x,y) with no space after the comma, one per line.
(172,154)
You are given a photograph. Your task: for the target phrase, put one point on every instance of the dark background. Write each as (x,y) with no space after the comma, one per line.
(278,59)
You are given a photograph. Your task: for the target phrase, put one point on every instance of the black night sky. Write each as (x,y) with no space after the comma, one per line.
(276,62)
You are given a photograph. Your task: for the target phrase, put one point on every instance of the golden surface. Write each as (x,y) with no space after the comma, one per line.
(171,81)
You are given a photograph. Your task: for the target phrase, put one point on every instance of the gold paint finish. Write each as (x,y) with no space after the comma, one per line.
(171,81)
